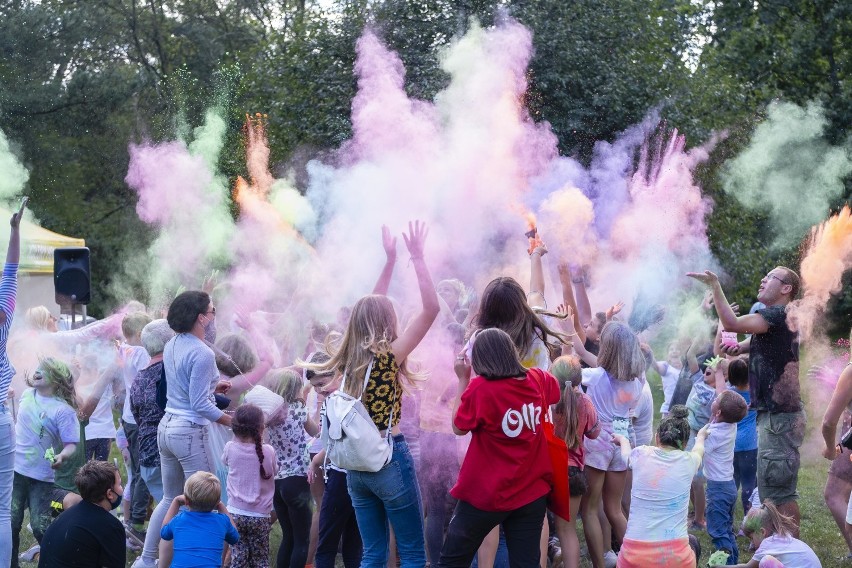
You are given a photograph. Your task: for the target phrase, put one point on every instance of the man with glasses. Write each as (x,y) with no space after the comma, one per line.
(773,350)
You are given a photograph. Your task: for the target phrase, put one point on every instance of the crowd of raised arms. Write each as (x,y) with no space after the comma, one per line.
(522,420)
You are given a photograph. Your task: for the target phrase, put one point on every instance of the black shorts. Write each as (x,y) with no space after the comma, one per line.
(577,482)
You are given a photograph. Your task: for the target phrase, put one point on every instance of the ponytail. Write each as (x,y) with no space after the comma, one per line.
(248,423)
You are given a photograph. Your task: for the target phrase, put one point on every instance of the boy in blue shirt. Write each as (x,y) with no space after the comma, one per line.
(745,449)
(199,533)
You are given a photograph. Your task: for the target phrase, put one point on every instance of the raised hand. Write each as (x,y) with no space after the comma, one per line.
(564,271)
(707,277)
(415,240)
(389,243)
(16,217)
(614,309)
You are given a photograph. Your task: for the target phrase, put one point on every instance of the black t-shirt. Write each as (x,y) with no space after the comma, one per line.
(84,536)
(773,365)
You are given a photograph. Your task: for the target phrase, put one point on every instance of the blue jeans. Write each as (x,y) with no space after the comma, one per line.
(721,498)
(7,475)
(338,527)
(390,494)
(184,449)
(745,475)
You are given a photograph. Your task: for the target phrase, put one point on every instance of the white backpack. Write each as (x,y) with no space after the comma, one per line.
(352,440)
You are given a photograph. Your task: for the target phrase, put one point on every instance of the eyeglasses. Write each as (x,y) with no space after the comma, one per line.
(781,280)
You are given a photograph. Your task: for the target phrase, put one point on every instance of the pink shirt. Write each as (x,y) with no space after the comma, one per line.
(247,490)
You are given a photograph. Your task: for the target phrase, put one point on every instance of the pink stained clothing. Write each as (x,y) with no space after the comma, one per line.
(247,490)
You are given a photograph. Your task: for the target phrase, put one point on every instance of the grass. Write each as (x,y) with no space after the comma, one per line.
(818,528)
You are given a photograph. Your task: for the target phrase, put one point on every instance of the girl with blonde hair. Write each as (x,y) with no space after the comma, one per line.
(372,351)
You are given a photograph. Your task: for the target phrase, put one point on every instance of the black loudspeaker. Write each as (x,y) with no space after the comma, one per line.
(71,277)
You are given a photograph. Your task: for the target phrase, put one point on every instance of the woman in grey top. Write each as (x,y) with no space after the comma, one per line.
(192,379)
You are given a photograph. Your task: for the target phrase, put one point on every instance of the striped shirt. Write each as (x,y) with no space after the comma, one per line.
(8,293)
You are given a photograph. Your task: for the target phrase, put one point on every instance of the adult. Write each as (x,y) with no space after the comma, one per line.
(8,294)
(839,475)
(773,381)
(192,378)
(144,405)
(87,535)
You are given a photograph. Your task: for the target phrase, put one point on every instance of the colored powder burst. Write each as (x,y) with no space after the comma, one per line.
(15,175)
(827,255)
(789,171)
(182,195)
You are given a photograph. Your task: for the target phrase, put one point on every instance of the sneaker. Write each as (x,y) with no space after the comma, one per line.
(135,536)
(141,562)
(30,555)
(610,559)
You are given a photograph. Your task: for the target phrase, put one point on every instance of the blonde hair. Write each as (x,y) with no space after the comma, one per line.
(60,378)
(568,372)
(768,517)
(38,317)
(620,354)
(133,323)
(371,330)
(203,491)
(286,383)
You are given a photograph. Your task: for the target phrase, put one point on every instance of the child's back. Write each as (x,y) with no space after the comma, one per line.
(198,538)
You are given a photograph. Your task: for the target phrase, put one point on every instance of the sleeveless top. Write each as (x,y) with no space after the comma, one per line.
(384,391)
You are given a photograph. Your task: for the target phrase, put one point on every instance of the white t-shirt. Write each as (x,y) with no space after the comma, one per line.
(659,499)
(133,359)
(615,400)
(643,425)
(791,552)
(43,423)
(670,377)
(719,451)
(101,424)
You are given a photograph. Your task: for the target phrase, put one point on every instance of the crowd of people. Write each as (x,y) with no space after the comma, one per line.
(355,449)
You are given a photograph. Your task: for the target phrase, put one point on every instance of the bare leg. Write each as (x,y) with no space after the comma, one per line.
(589,509)
(606,530)
(317,491)
(488,549)
(567,533)
(612,491)
(837,492)
(542,544)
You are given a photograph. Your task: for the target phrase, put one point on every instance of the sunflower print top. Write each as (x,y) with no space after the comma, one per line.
(384,391)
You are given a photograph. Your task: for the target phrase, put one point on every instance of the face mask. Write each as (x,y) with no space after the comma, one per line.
(209,330)
(117,502)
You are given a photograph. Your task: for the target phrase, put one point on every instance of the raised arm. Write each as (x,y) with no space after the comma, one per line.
(87,405)
(414,333)
(839,401)
(588,358)
(750,323)
(569,300)
(584,307)
(462,369)
(535,297)
(13,253)
(389,244)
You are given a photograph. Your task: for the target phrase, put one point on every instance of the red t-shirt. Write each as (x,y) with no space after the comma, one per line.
(507,465)
(587,421)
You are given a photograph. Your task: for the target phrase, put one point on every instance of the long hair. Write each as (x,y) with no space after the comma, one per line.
(61,379)
(248,423)
(495,356)
(768,517)
(567,371)
(620,354)
(371,330)
(504,306)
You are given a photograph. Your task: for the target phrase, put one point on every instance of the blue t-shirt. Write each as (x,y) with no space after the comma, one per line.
(199,538)
(747,427)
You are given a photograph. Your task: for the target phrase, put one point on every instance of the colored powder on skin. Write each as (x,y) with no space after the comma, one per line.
(789,171)
(827,255)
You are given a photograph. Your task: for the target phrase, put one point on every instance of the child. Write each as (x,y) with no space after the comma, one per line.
(726,410)
(47,434)
(250,487)
(669,371)
(698,404)
(745,448)
(770,532)
(574,418)
(292,499)
(662,476)
(199,532)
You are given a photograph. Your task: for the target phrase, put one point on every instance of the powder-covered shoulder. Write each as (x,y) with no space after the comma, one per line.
(592,375)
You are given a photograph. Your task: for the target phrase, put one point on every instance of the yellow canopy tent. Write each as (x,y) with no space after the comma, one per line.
(35,272)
